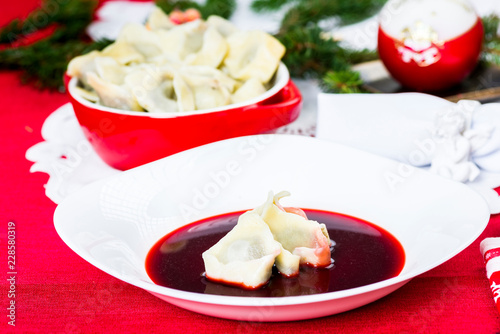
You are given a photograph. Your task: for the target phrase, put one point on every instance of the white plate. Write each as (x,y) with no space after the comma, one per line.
(113,223)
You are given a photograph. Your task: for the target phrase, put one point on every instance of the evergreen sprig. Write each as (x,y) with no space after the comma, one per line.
(358,56)
(344,82)
(305,12)
(312,54)
(71,17)
(44,62)
(491,43)
(260,6)
(224,8)
(309,54)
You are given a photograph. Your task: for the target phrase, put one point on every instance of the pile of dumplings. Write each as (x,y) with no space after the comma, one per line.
(163,67)
(266,236)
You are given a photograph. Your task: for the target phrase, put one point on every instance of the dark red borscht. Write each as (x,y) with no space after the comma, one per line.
(363,254)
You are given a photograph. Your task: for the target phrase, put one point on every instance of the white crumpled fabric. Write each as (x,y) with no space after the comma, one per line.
(415,129)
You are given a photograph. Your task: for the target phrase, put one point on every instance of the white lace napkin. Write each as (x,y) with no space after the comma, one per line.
(460,141)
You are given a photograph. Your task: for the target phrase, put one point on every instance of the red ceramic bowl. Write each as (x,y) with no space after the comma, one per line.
(127,139)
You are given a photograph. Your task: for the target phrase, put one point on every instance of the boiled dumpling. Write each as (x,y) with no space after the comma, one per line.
(123,53)
(207,92)
(223,26)
(210,64)
(172,44)
(89,95)
(109,70)
(245,255)
(153,90)
(82,65)
(208,72)
(249,90)
(287,263)
(158,20)
(112,95)
(184,94)
(143,40)
(181,41)
(295,240)
(253,54)
(304,238)
(195,90)
(212,52)
(194,32)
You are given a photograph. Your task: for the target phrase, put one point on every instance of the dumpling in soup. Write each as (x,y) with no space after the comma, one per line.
(269,234)
(245,255)
(299,236)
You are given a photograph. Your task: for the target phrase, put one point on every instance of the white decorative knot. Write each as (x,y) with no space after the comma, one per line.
(456,141)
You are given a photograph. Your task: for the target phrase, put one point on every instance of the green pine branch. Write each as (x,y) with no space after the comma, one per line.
(358,56)
(224,8)
(343,82)
(491,43)
(72,17)
(44,62)
(305,12)
(308,54)
(260,6)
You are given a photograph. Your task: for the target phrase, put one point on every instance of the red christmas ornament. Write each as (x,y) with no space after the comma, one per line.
(429,45)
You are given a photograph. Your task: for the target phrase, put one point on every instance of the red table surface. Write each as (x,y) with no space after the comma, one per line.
(58,292)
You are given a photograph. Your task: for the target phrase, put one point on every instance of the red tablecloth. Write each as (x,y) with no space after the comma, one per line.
(58,292)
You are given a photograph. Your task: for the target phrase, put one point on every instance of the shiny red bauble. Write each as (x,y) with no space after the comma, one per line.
(429,45)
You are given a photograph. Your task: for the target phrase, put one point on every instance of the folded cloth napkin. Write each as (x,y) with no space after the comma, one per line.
(490,250)
(414,128)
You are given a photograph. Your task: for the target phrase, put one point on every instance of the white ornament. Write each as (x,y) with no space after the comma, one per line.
(456,141)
